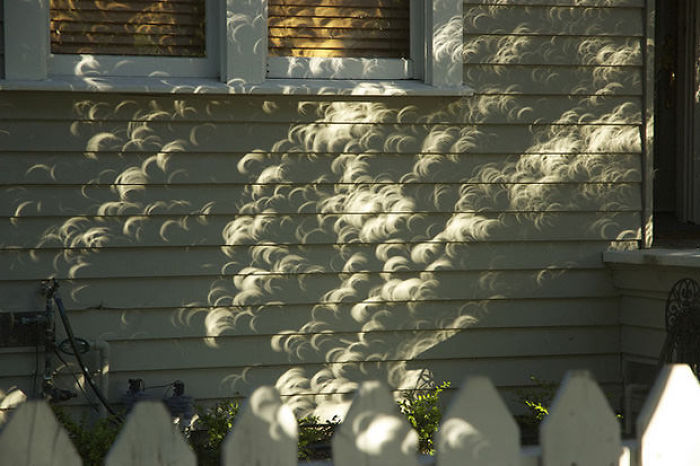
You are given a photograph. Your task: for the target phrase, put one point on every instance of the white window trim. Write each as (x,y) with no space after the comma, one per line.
(117,65)
(245,60)
(28,52)
(239,29)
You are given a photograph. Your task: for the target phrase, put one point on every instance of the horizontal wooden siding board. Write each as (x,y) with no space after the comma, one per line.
(553,51)
(75,168)
(642,342)
(299,289)
(643,311)
(145,355)
(517,108)
(165,261)
(568,3)
(227,137)
(211,383)
(494,79)
(179,230)
(339,198)
(554,20)
(176,322)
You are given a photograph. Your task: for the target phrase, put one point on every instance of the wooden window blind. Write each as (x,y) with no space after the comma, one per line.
(339,28)
(128,27)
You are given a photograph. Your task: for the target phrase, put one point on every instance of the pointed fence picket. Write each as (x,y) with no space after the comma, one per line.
(581,428)
(669,424)
(265,433)
(33,437)
(374,433)
(149,437)
(477,429)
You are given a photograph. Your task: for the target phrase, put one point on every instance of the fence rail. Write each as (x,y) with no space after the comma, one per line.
(476,430)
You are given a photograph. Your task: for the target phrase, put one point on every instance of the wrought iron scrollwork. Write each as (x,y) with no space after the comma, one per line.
(682,343)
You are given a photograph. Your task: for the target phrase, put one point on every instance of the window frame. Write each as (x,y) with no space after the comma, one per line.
(28,53)
(146,65)
(437,44)
(356,68)
(238,57)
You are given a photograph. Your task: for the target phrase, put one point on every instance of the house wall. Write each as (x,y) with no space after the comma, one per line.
(645,280)
(642,308)
(311,242)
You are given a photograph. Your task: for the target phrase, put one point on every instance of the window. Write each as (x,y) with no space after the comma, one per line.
(264,46)
(341,39)
(111,38)
(436,46)
(128,27)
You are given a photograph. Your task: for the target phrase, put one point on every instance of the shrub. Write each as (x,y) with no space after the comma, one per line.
(212,427)
(214,424)
(423,411)
(537,400)
(92,441)
(315,437)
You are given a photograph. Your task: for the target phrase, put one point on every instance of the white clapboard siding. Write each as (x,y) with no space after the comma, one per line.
(155,212)
(476,430)
(644,289)
(71,168)
(390,137)
(544,19)
(256,109)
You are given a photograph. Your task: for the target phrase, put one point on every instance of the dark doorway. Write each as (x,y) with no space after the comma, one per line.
(677,125)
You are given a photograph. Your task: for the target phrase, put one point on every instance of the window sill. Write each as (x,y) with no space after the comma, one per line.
(164,85)
(660,257)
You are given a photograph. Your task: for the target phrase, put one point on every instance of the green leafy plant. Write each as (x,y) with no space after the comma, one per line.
(537,400)
(421,407)
(212,427)
(537,409)
(315,437)
(92,441)
(423,410)
(215,423)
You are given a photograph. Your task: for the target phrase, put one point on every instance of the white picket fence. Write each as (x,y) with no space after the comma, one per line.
(477,429)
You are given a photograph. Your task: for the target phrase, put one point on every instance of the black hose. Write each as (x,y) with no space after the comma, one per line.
(76,352)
